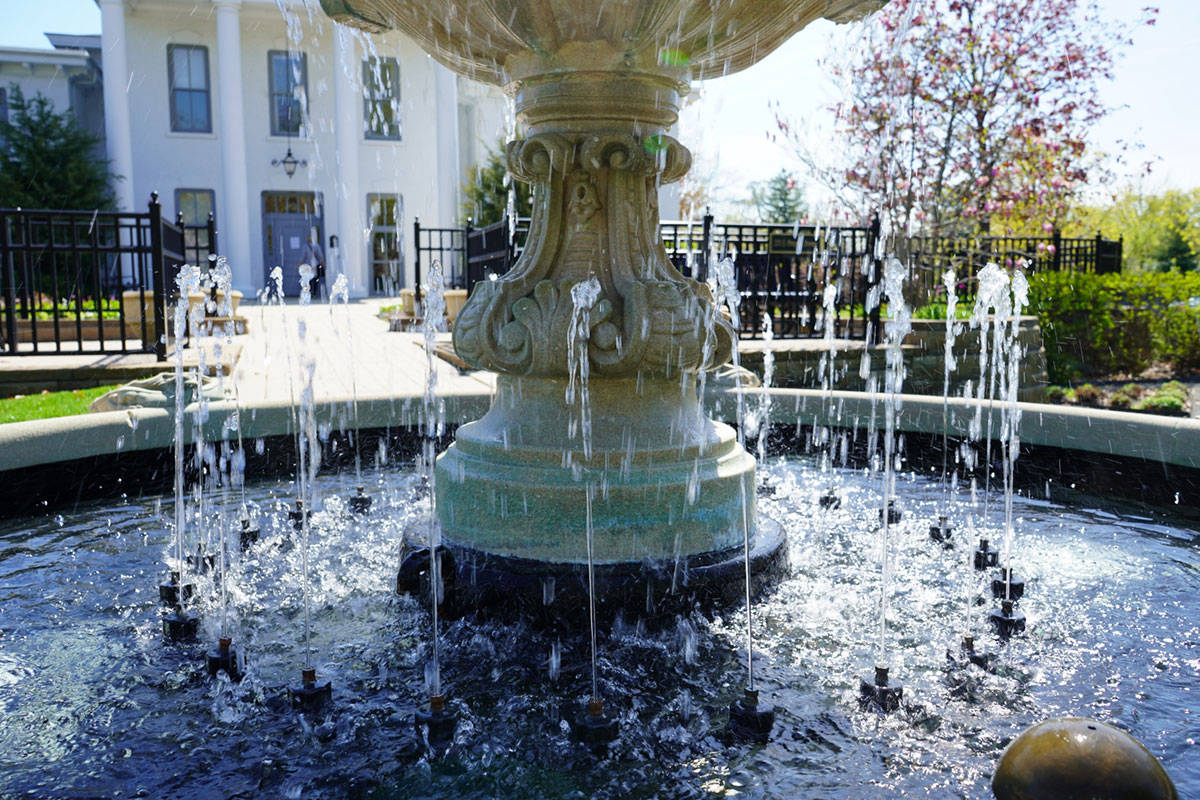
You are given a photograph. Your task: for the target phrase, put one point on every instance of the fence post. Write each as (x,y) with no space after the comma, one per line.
(706,245)
(158,269)
(466,256)
(873,335)
(10,284)
(1056,243)
(212,234)
(416,261)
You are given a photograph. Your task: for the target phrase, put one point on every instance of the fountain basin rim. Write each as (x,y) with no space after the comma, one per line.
(1167,440)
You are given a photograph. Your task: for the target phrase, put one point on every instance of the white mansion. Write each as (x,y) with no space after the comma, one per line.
(205,100)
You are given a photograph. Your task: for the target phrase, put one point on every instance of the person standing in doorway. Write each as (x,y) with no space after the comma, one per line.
(315,258)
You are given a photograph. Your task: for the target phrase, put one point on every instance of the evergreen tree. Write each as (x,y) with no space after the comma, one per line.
(1174,253)
(47,160)
(778,199)
(485,194)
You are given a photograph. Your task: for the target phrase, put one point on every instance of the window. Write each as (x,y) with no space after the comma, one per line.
(3,105)
(195,205)
(381,98)
(289,91)
(187,71)
(387,259)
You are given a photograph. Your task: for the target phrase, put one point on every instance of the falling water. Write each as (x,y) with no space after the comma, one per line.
(1012,415)
(187,282)
(435,312)
(993,305)
(726,291)
(1001,299)
(308,453)
(950,364)
(899,324)
(583,297)
(222,277)
(341,291)
(823,435)
(763,412)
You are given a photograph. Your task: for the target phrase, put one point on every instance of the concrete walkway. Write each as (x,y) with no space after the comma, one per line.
(349,347)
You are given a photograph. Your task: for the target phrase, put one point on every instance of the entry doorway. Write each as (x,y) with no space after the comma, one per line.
(289,219)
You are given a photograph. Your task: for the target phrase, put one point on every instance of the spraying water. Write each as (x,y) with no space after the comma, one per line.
(950,364)
(898,325)
(341,291)
(309,452)
(583,297)
(435,311)
(726,291)
(187,282)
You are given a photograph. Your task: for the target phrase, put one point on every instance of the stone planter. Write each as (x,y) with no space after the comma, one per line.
(455,300)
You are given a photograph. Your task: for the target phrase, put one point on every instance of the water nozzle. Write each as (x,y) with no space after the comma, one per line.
(309,696)
(882,694)
(748,722)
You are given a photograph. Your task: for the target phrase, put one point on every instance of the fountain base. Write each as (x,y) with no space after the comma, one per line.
(880,694)
(891,514)
(748,721)
(967,655)
(985,556)
(249,534)
(436,724)
(172,593)
(1006,621)
(554,595)
(594,727)
(179,626)
(1008,586)
(942,531)
(360,502)
(299,515)
(224,659)
(309,696)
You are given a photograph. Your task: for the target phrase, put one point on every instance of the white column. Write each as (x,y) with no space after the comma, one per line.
(233,204)
(449,174)
(351,227)
(117,132)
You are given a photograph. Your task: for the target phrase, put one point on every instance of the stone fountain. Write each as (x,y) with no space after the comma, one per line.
(597,85)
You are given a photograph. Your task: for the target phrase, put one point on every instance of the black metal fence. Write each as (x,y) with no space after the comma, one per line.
(929,257)
(91,281)
(783,270)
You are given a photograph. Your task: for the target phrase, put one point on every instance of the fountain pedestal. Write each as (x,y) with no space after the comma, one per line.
(666,482)
(596,87)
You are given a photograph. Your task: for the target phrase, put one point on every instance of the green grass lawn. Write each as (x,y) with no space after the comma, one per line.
(50,404)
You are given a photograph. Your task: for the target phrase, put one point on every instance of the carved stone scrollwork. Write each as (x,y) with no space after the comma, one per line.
(594,213)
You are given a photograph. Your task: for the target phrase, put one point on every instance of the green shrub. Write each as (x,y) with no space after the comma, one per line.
(937,309)
(1134,390)
(1173,389)
(1101,324)
(1177,335)
(1160,403)
(1056,394)
(1120,399)
(1088,395)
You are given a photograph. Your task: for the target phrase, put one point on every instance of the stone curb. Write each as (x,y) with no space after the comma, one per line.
(1170,440)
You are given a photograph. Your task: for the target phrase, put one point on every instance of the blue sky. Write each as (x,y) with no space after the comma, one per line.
(1154,93)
